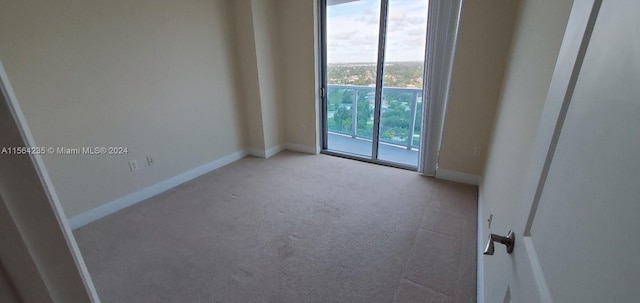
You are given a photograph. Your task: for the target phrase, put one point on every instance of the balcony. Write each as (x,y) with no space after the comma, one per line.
(350,122)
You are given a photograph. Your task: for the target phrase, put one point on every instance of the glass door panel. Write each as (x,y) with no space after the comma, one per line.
(352,29)
(402,100)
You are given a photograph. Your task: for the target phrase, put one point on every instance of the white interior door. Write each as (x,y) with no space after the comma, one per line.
(577,232)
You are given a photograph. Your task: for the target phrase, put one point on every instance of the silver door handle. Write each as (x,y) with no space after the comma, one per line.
(509,241)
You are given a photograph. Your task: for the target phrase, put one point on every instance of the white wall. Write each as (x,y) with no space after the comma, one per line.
(154,76)
(258,57)
(297,24)
(275,52)
(538,35)
(484,39)
(187,83)
(269,71)
(246,71)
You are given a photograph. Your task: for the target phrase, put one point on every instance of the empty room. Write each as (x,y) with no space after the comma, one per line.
(319,151)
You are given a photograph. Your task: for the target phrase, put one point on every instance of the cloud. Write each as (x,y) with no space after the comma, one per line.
(417,31)
(368,17)
(352,31)
(418,20)
(397,16)
(396,21)
(366,40)
(344,35)
(415,42)
(396,27)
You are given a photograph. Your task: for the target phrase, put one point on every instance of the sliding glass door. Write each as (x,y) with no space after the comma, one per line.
(373,60)
(352,36)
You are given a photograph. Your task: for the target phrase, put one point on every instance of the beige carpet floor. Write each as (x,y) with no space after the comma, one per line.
(292,228)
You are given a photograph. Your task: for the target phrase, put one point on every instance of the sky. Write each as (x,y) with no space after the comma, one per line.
(352,31)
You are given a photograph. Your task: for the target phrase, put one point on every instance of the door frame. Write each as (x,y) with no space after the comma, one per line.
(28,227)
(442,34)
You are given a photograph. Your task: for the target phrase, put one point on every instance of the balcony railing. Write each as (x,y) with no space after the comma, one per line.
(350,112)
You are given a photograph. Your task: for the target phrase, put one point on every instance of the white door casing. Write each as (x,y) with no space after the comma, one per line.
(576,231)
(42,258)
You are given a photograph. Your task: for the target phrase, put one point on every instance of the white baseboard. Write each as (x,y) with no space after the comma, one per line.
(302,148)
(261,153)
(273,151)
(455,176)
(256,152)
(131,199)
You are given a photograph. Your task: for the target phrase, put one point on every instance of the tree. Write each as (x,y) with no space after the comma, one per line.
(364,114)
(342,119)
(396,117)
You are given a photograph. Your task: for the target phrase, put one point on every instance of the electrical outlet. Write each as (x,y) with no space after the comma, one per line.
(150,160)
(477,151)
(133,165)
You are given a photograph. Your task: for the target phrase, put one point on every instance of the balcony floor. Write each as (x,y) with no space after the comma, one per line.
(362,147)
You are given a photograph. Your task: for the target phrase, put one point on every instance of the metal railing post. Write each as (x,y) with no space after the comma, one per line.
(414,109)
(354,114)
